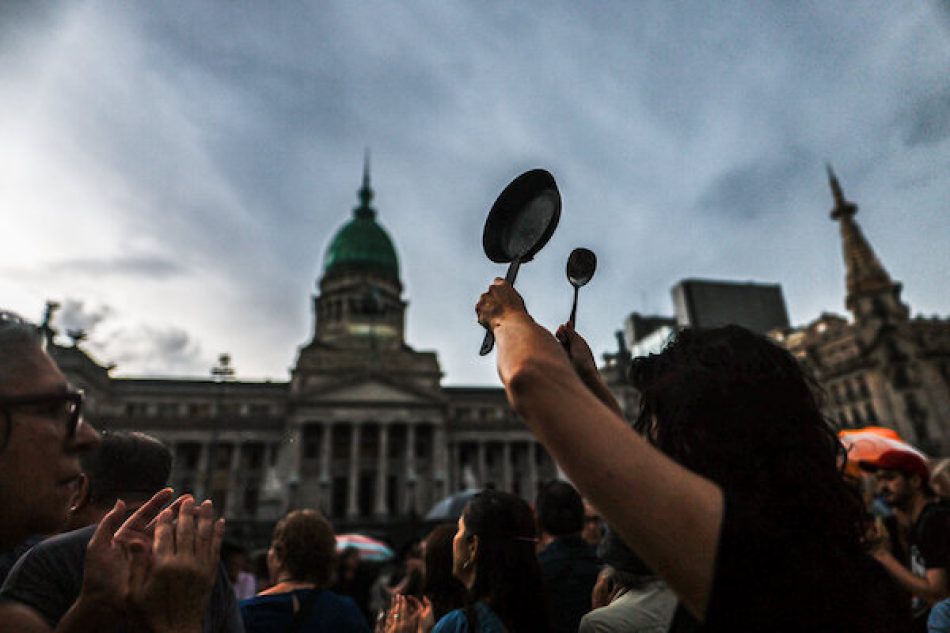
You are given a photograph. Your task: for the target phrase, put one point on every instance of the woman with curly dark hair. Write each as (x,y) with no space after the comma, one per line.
(301,560)
(732,491)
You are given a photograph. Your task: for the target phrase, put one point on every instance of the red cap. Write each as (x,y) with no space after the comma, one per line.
(902,461)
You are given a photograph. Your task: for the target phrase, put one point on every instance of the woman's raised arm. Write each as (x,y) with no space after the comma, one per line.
(668,515)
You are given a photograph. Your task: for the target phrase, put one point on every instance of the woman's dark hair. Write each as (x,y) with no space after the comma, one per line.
(507,572)
(443,589)
(306,546)
(734,407)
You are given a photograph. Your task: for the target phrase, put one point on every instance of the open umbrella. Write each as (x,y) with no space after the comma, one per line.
(370,549)
(449,509)
(871,442)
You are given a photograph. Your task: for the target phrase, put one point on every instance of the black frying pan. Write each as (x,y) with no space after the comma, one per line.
(520,223)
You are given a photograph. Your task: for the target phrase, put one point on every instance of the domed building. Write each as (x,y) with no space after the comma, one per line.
(363,430)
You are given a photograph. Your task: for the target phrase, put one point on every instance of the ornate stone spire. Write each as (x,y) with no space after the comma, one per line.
(866,277)
(365,211)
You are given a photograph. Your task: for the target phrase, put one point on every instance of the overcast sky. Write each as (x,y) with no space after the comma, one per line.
(172,172)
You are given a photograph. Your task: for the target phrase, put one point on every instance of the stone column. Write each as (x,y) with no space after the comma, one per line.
(382,471)
(292,467)
(233,507)
(410,500)
(440,457)
(481,468)
(532,469)
(326,462)
(202,472)
(455,468)
(352,490)
(506,466)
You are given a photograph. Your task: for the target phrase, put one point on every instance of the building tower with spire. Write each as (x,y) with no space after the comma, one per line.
(882,367)
(871,294)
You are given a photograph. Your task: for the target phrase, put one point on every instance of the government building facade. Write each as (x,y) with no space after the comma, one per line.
(363,430)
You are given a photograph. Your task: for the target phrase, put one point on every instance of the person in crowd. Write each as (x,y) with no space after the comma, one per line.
(441,588)
(301,561)
(593,531)
(234,560)
(442,592)
(493,556)
(261,574)
(903,482)
(354,579)
(628,597)
(48,579)
(128,466)
(730,487)
(940,477)
(569,565)
(42,435)
(403,576)
(9,558)
(150,560)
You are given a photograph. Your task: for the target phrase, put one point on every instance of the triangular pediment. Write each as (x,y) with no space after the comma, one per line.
(370,391)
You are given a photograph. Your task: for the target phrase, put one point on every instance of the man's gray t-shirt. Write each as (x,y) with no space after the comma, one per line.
(49,576)
(645,610)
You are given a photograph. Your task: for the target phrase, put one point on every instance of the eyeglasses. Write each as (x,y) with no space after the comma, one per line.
(65,407)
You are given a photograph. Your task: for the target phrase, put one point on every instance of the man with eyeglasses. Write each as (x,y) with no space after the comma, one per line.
(42,434)
(156,566)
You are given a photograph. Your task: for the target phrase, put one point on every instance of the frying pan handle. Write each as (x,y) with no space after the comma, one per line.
(489,341)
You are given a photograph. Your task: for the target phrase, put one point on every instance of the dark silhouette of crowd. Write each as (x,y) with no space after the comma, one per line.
(725,507)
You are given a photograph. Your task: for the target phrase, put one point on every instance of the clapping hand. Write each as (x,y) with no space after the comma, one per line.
(169,590)
(106,572)
(407,615)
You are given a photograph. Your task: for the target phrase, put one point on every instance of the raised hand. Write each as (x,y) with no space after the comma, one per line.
(140,526)
(582,359)
(106,570)
(169,591)
(578,351)
(105,580)
(500,299)
(605,589)
(406,615)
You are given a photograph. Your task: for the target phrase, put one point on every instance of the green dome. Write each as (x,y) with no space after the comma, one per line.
(362,243)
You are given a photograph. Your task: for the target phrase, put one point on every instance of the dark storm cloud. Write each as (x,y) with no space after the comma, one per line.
(228,138)
(759,188)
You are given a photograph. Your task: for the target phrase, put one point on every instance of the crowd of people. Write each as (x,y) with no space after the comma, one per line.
(725,507)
